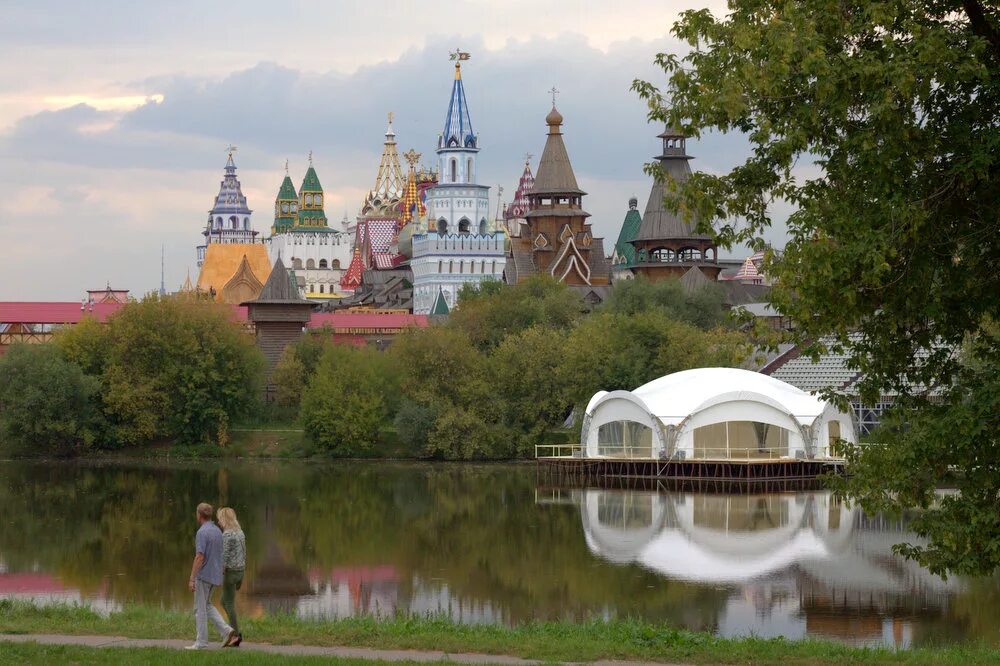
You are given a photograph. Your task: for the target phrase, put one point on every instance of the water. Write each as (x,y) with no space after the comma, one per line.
(481,544)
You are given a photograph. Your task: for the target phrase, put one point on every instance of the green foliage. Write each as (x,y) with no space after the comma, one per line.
(346,400)
(894,237)
(168,368)
(47,404)
(705,307)
(493,311)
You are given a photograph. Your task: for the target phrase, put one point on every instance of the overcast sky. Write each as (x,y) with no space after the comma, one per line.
(114,115)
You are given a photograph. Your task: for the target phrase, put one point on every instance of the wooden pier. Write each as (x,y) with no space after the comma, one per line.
(613,472)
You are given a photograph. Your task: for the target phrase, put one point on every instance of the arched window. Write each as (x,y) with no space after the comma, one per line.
(246,223)
(454,170)
(310,264)
(296,264)
(218,223)
(442,226)
(318,200)
(284,207)
(335,264)
(482,227)
(463,226)
(309,199)
(234,222)
(662,254)
(468,170)
(322,263)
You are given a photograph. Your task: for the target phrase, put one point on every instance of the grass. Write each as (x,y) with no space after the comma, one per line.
(34,653)
(551,641)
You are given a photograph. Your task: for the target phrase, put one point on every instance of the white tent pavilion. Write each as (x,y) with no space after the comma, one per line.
(714,414)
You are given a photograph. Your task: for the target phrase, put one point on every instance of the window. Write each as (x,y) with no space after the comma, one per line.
(218,223)
(234,222)
(246,223)
(310,264)
(740,440)
(309,199)
(468,171)
(284,207)
(321,287)
(463,226)
(625,439)
(322,263)
(442,226)
(296,264)
(482,227)
(833,431)
(454,170)
(336,264)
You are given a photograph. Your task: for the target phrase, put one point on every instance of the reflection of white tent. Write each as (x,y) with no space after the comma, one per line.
(661,418)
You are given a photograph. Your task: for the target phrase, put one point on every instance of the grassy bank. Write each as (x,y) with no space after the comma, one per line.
(32,653)
(558,641)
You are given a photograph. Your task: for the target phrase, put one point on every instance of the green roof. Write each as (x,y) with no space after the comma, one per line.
(311,182)
(630,229)
(287,190)
(440,305)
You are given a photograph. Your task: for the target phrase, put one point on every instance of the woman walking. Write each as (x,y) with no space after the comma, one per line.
(234,558)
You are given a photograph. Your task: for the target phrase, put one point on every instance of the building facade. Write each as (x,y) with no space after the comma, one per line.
(302,237)
(459,245)
(556,238)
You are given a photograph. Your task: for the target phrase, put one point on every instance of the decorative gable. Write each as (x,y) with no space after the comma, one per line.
(541,242)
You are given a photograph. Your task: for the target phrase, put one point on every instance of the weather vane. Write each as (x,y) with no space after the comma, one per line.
(527,158)
(554,93)
(459,54)
(310,158)
(231,149)
(286,167)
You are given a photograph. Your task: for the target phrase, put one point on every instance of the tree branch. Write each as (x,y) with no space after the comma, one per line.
(981,26)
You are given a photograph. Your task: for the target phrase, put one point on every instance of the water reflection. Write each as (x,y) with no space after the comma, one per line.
(480,544)
(800,564)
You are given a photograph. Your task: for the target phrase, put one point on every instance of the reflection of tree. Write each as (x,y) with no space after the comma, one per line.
(128,531)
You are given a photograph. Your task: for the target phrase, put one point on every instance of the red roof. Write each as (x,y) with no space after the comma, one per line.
(366,320)
(37,312)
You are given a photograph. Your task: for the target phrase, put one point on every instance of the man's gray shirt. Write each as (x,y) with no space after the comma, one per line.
(208,542)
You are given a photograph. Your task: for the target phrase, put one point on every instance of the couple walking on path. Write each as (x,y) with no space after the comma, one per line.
(220,558)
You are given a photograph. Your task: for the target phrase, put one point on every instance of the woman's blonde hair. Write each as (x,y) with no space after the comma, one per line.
(227,519)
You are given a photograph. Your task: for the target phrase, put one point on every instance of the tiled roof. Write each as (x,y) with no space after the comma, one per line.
(555,172)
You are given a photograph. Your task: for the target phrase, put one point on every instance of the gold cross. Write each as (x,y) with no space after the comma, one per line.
(391,116)
(310,158)
(412,156)
(554,93)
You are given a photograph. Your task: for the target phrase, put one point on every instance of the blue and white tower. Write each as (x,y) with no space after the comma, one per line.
(229,219)
(461,244)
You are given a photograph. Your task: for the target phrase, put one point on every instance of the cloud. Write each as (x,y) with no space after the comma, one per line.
(147,175)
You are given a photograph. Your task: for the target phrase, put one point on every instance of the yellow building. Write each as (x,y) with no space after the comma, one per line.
(234,272)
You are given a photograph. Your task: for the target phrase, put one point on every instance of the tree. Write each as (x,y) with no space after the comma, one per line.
(170,368)
(492,311)
(895,237)
(613,351)
(704,307)
(345,403)
(47,404)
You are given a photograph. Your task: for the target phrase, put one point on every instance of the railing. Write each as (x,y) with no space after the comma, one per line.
(559,450)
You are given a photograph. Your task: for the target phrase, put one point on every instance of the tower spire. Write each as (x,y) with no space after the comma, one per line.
(389,180)
(163,285)
(457,124)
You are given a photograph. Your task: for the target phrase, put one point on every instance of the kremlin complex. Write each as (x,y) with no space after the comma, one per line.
(419,237)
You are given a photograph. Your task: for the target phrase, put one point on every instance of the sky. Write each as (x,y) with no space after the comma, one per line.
(115,115)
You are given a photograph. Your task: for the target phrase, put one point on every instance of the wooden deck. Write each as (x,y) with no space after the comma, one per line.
(589,470)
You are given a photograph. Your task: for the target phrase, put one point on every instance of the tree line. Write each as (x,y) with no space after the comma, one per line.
(507,370)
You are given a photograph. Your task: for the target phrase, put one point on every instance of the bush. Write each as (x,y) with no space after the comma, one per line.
(345,403)
(47,403)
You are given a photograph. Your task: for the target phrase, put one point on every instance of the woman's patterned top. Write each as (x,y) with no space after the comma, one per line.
(234,549)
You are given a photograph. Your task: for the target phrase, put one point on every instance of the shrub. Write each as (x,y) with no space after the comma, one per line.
(47,403)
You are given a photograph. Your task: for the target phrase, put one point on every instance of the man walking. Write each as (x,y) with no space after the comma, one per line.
(206,575)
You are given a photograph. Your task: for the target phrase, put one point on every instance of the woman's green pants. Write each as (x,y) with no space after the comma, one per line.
(231,582)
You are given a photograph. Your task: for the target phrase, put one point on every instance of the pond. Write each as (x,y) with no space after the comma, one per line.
(480,543)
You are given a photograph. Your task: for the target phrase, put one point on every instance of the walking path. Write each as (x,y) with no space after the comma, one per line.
(297,650)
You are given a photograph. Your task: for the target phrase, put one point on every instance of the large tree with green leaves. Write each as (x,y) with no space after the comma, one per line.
(896,103)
